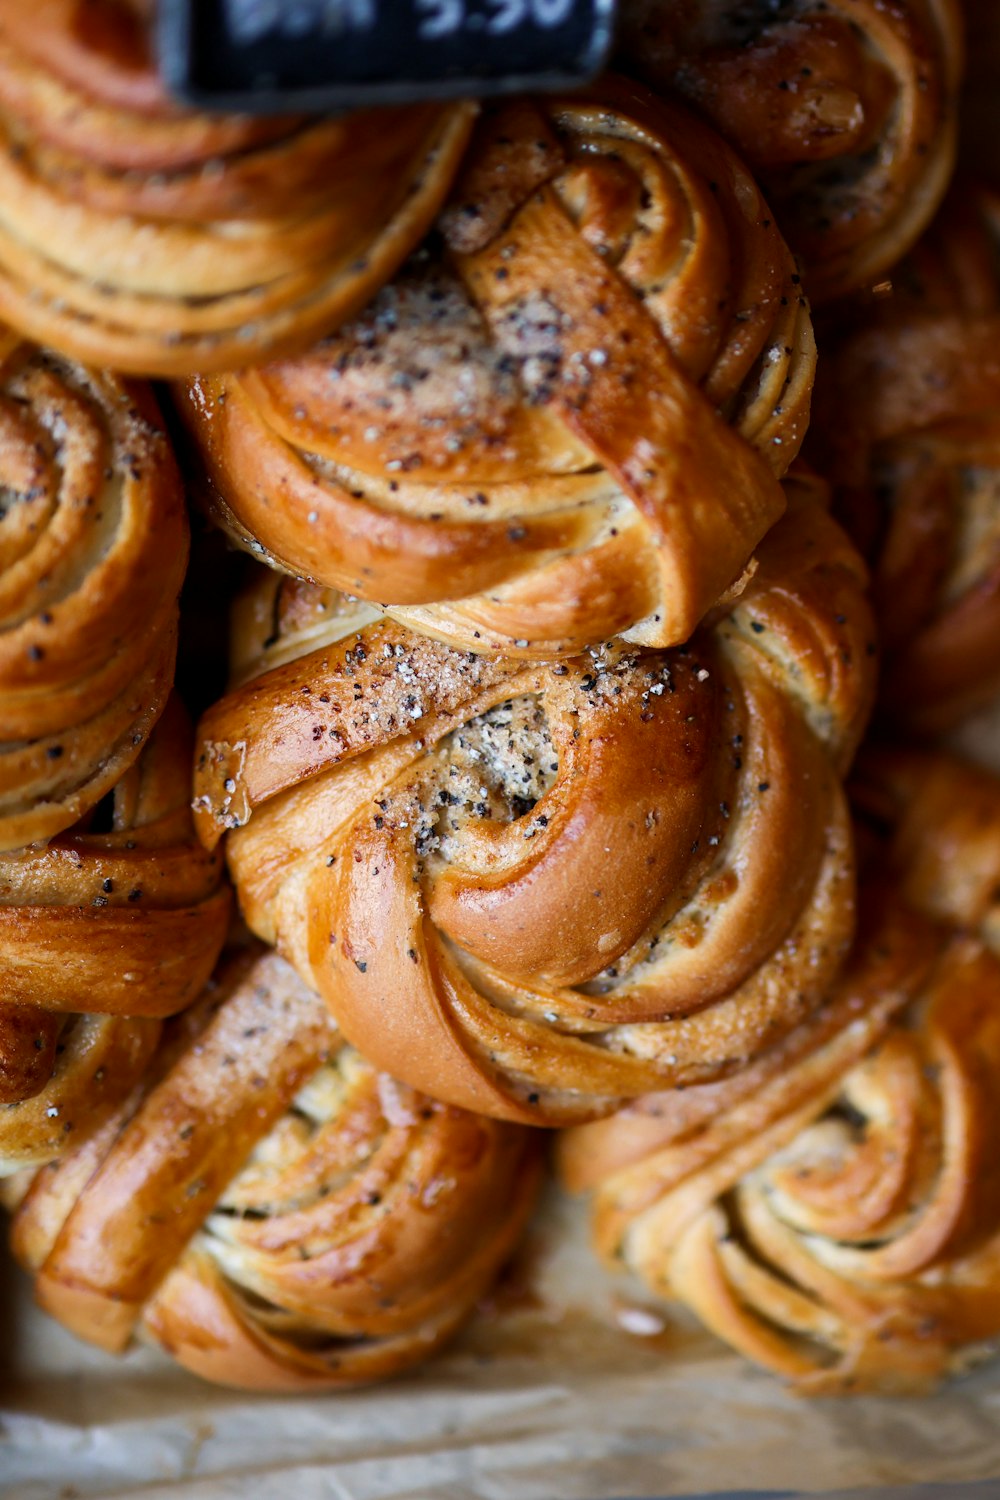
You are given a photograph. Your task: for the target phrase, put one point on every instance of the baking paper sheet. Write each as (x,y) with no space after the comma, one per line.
(571,1385)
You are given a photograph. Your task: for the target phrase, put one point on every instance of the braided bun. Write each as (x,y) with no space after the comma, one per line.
(533,889)
(143,236)
(908,415)
(845,110)
(278,1216)
(839,1221)
(104,930)
(568,427)
(93,546)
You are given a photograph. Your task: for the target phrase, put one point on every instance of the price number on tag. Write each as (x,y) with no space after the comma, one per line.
(275,55)
(443,17)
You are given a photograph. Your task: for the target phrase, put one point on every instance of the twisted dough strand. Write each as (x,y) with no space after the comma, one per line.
(93,546)
(566,426)
(908,411)
(103,931)
(142,236)
(269,1208)
(837,1217)
(845,110)
(533,889)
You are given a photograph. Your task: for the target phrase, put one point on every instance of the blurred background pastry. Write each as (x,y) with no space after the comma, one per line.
(141,235)
(846,111)
(908,427)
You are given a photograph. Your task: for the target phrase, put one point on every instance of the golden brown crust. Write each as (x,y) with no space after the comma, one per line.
(575,880)
(93,546)
(89,1065)
(943,818)
(141,236)
(103,931)
(687,1129)
(563,427)
(837,1218)
(269,1208)
(907,412)
(845,110)
(98,56)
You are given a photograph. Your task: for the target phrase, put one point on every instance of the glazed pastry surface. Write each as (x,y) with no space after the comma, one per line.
(835,1213)
(104,930)
(269,1208)
(533,889)
(139,235)
(563,422)
(845,110)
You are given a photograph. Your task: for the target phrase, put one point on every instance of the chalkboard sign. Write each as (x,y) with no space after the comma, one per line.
(278,55)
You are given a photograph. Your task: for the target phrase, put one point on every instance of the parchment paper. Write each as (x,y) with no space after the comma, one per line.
(570,1385)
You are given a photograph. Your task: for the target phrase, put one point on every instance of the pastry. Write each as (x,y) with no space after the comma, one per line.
(533,889)
(103,931)
(941,816)
(567,422)
(93,547)
(845,110)
(139,235)
(837,1217)
(908,426)
(270,1209)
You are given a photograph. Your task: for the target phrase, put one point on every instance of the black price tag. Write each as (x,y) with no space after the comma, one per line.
(271,56)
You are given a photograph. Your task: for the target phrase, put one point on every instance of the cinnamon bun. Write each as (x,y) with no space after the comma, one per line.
(109,927)
(846,110)
(93,547)
(836,1217)
(533,889)
(139,235)
(271,1210)
(568,424)
(908,426)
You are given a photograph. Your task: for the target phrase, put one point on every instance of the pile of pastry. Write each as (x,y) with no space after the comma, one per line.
(562,587)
